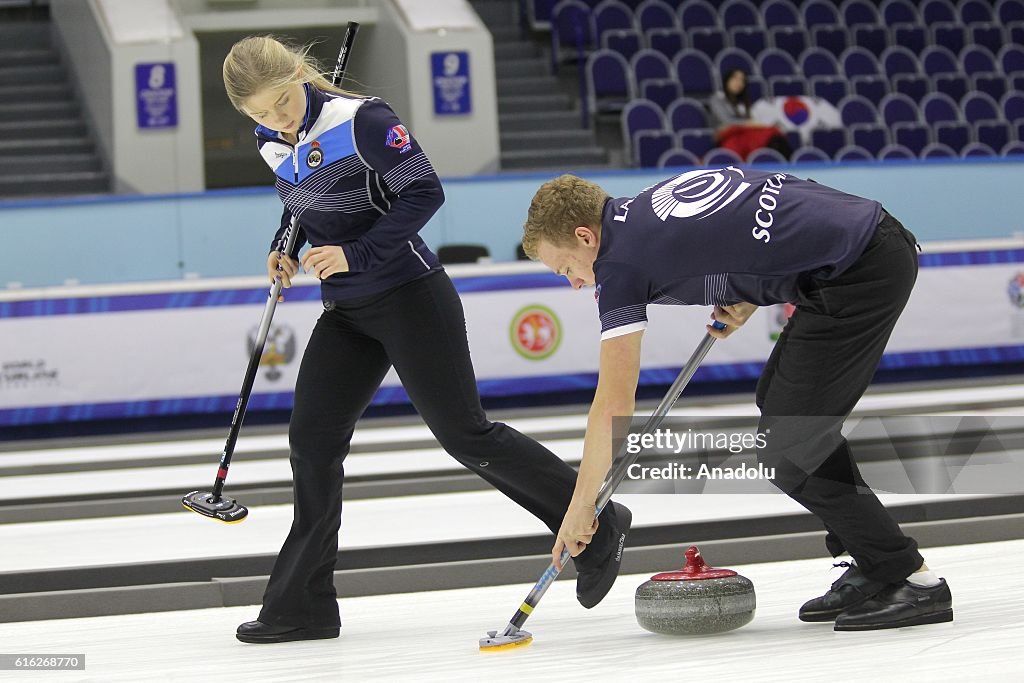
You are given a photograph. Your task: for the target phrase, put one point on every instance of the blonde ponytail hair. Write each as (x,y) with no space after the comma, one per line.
(260,63)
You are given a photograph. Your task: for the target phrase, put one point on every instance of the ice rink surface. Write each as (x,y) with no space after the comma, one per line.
(434,636)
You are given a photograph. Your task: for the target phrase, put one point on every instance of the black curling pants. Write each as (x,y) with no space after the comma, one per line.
(420,329)
(820,367)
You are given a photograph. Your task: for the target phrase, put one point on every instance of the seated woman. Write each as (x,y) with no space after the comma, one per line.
(735,130)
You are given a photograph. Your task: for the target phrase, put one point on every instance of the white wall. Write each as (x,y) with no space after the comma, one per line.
(399,49)
(102,41)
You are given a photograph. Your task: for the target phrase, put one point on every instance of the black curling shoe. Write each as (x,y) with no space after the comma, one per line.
(901,604)
(593,584)
(258,632)
(849,590)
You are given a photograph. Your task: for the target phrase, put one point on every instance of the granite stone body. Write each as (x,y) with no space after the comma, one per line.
(686,603)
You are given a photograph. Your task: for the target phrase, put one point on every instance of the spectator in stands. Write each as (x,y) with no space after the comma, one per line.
(358,188)
(735,129)
(737,239)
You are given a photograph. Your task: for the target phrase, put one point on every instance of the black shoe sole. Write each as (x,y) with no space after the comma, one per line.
(828,615)
(917,620)
(300,634)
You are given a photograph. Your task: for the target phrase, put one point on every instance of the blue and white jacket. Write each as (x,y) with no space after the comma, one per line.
(359,180)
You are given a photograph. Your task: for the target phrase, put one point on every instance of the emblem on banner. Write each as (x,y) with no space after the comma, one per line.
(778,319)
(279,349)
(535,332)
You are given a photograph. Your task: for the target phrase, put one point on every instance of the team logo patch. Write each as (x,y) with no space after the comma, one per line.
(535,332)
(315,156)
(698,194)
(399,138)
(597,293)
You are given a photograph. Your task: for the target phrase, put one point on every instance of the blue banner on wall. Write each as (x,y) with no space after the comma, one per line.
(156,95)
(450,78)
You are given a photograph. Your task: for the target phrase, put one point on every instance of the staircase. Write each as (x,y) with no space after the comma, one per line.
(45,145)
(538,115)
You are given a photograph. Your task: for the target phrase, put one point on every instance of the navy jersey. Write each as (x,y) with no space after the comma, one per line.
(358,179)
(719,237)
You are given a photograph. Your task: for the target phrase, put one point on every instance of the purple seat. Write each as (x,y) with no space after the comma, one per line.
(653,14)
(818,12)
(708,40)
(818,62)
(829,140)
(751,39)
(1012,105)
(648,64)
(990,36)
(1011,59)
(720,156)
(626,42)
(954,85)
(914,86)
(1012,149)
(733,58)
(667,41)
(697,141)
(697,13)
(975,11)
(899,60)
(873,88)
(1009,10)
(766,155)
(978,106)
(830,88)
(809,154)
(661,91)
(952,36)
(899,12)
(936,11)
(649,145)
(610,15)
(641,115)
(977,149)
(995,134)
(857,61)
(853,153)
(780,13)
(538,13)
(610,82)
(977,59)
(676,157)
(694,71)
(914,136)
(686,114)
(835,39)
(914,37)
(937,150)
(792,40)
(936,107)
(856,109)
(936,60)
(870,136)
(787,86)
(891,152)
(570,31)
(874,39)
(992,84)
(773,62)
(955,134)
(739,13)
(856,12)
(898,108)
